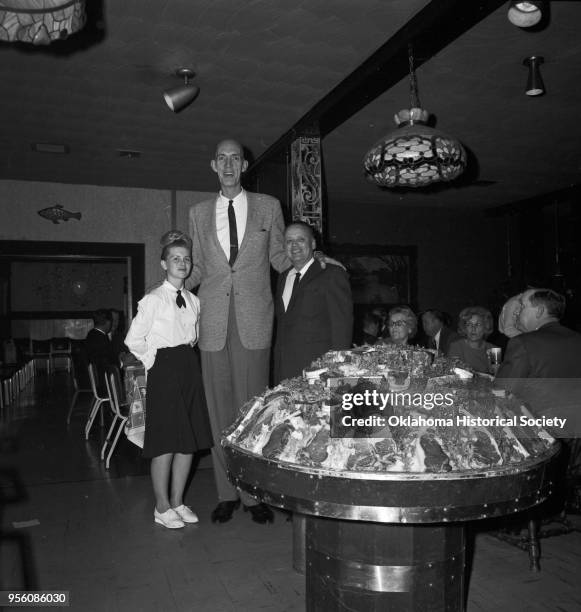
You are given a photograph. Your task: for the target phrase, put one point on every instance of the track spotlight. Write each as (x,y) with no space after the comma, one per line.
(525,14)
(177,98)
(535,85)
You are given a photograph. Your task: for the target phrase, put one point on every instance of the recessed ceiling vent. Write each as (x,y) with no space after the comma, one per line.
(50,147)
(128,153)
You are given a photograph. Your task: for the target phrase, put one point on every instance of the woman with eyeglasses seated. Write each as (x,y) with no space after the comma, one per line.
(475,324)
(402,325)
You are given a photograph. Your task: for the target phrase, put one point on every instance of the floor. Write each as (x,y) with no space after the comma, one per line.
(69,524)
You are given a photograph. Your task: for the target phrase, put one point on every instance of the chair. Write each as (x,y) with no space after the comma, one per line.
(60,349)
(81,384)
(98,400)
(550,518)
(40,350)
(119,409)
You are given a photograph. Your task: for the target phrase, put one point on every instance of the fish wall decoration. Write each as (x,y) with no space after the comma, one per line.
(57,213)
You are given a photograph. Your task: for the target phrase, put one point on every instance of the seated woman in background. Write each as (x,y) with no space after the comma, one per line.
(474,325)
(402,324)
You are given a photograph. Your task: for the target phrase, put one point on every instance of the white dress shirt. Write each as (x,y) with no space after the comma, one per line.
(159,323)
(437,339)
(240,204)
(290,281)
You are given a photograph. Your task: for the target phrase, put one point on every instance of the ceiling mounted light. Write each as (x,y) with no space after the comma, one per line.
(178,98)
(525,14)
(414,155)
(40,23)
(535,85)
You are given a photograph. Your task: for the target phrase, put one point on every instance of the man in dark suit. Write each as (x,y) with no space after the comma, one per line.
(438,335)
(98,348)
(543,364)
(313,306)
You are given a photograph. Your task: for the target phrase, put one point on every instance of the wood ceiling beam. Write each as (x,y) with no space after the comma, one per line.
(432,29)
(567,194)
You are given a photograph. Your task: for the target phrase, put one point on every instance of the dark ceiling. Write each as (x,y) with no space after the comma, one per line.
(263,65)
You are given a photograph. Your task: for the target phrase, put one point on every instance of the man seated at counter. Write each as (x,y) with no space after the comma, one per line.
(98,347)
(543,364)
(438,334)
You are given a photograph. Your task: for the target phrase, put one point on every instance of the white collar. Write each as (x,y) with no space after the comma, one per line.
(239,198)
(304,269)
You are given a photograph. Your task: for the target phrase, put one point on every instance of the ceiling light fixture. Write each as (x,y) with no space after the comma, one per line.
(525,14)
(50,147)
(177,98)
(535,85)
(414,155)
(40,23)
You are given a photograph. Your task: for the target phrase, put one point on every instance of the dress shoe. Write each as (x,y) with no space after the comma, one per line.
(186,514)
(170,519)
(261,513)
(222,513)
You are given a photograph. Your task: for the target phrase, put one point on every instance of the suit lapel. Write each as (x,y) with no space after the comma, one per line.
(279,305)
(210,222)
(252,224)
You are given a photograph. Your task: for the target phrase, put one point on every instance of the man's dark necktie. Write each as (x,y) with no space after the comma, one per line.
(180,300)
(233,233)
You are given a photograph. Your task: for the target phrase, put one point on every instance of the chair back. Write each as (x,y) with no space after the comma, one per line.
(93,379)
(114,389)
(79,369)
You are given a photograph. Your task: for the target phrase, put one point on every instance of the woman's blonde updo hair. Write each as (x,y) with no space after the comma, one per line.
(174,238)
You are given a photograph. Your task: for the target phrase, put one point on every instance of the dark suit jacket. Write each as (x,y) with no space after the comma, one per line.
(543,367)
(319,318)
(99,349)
(447,336)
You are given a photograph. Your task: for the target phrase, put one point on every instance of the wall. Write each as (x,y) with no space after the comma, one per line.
(461,254)
(109,214)
(67,286)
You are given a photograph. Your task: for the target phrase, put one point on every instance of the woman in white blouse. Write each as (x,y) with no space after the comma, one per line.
(162,336)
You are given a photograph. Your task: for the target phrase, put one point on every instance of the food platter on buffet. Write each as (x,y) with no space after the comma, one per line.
(290,448)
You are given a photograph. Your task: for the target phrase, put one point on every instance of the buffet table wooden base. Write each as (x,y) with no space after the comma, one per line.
(356,565)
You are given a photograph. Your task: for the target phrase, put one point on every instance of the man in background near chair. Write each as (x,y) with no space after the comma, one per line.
(313,306)
(438,334)
(98,347)
(542,365)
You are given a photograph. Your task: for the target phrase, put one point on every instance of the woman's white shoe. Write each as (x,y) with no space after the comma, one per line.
(170,519)
(186,514)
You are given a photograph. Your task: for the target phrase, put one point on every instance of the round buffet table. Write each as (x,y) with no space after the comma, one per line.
(385,540)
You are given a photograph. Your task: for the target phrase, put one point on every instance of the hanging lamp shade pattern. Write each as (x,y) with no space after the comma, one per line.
(40,22)
(414,154)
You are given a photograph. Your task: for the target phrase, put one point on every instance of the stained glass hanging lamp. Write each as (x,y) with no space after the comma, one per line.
(40,22)
(414,154)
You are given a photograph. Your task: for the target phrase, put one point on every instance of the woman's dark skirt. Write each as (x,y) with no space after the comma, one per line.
(176,415)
